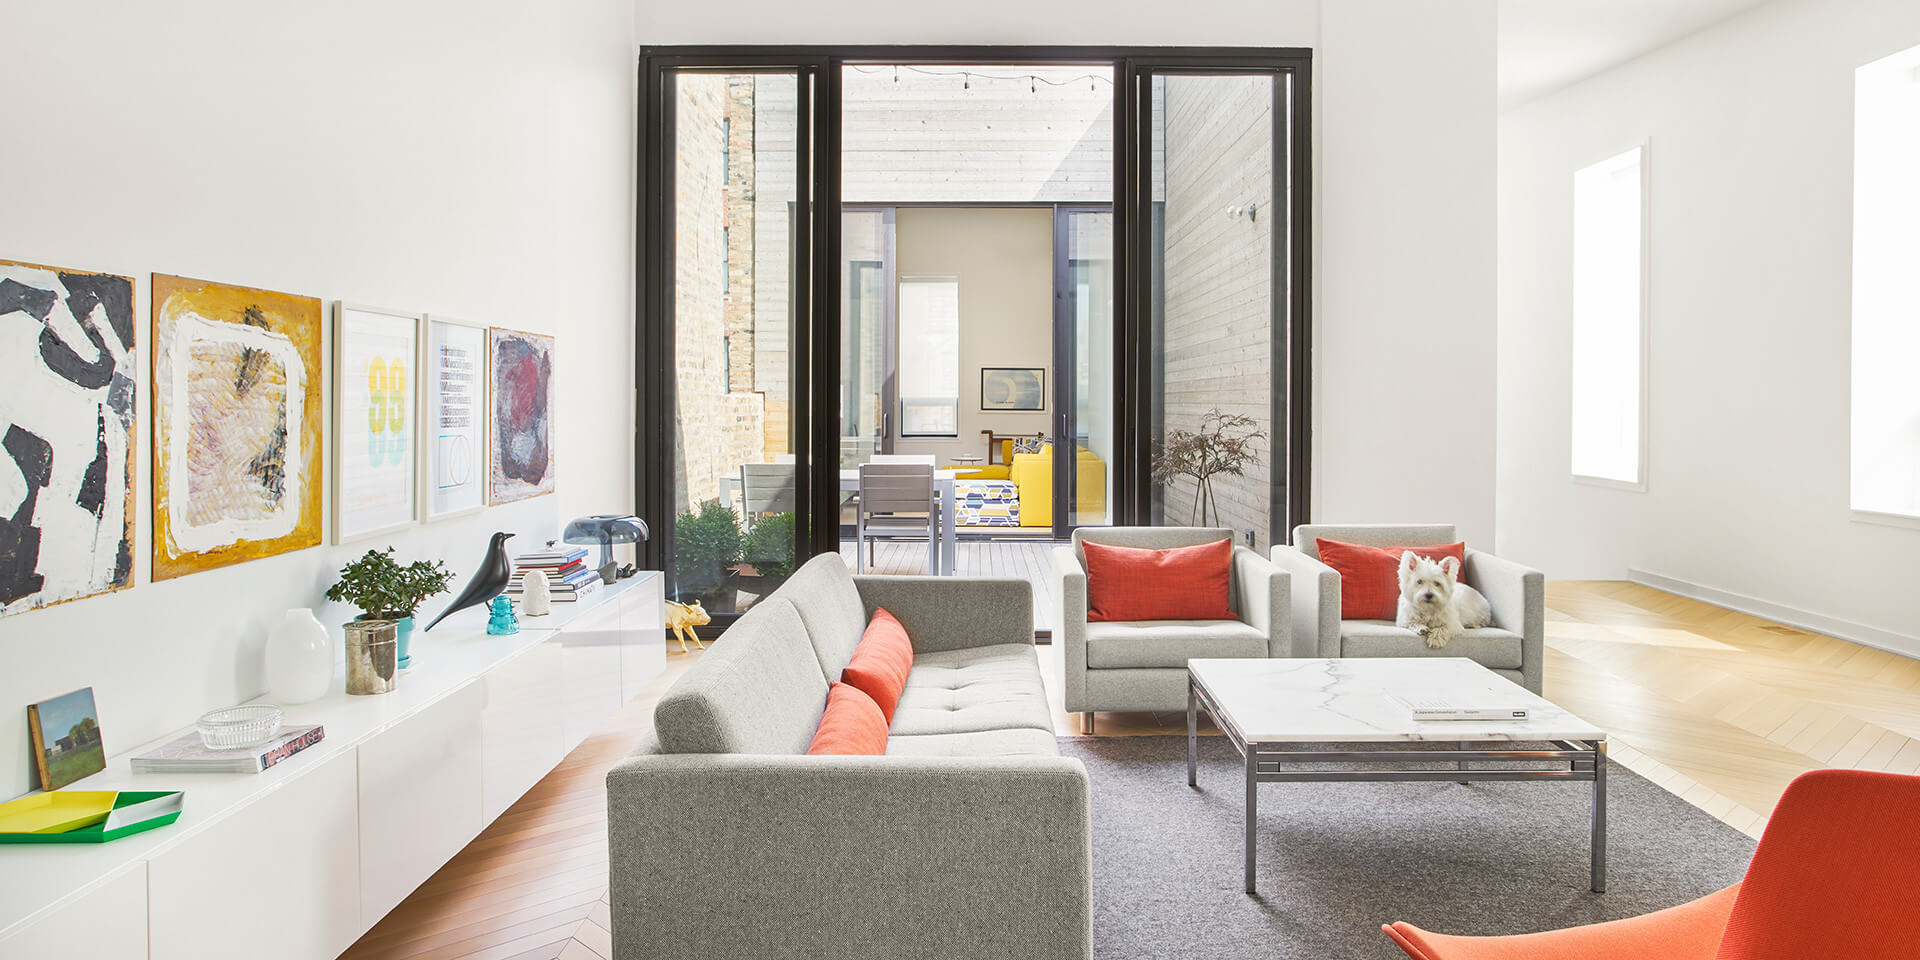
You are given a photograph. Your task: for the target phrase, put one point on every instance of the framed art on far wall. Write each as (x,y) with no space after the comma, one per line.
(376,355)
(520,432)
(453,418)
(1013,388)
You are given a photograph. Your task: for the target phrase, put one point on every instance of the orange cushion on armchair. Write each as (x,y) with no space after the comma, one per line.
(1370,576)
(1181,583)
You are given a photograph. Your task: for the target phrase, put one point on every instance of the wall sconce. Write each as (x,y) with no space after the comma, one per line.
(1251,211)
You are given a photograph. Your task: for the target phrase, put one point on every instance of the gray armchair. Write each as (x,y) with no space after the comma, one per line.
(1142,665)
(1513,647)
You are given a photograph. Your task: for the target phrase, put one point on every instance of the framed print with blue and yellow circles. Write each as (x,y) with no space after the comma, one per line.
(376,390)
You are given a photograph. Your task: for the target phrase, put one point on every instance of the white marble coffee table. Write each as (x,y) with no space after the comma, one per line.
(1267,706)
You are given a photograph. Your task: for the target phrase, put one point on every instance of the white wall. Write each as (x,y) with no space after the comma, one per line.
(468,158)
(1750,133)
(1404,237)
(1404,134)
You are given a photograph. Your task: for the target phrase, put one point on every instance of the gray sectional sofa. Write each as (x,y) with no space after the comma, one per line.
(970,838)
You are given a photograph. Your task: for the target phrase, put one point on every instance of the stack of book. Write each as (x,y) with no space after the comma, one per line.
(187,754)
(568,576)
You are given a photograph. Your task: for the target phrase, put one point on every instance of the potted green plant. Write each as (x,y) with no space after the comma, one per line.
(767,554)
(706,546)
(384,590)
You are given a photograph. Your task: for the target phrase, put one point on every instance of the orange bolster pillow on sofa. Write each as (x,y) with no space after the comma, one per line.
(881,662)
(851,725)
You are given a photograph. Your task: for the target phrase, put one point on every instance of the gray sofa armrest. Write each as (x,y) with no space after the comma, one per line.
(1070,622)
(1266,600)
(1518,596)
(874,858)
(1316,603)
(953,613)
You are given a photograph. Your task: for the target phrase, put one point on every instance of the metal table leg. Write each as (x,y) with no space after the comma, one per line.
(1193,736)
(1599,841)
(1253,801)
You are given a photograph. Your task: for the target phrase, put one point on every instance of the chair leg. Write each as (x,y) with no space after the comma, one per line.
(1086,723)
(859,541)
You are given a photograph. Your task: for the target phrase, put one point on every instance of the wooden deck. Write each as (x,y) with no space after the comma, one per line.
(973,558)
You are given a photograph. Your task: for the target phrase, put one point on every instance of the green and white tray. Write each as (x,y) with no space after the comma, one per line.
(133,811)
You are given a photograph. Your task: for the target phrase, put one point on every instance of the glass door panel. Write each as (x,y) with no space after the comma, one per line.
(735,350)
(1084,275)
(1217,326)
(866,351)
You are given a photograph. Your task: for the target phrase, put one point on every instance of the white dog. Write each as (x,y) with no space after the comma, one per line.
(1434,603)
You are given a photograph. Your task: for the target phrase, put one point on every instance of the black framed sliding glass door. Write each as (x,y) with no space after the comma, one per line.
(726,287)
(762,359)
(1216,255)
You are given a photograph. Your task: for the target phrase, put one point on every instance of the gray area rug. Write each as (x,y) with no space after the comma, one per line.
(1336,860)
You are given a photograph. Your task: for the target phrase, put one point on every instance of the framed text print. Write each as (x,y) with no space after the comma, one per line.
(376,356)
(453,451)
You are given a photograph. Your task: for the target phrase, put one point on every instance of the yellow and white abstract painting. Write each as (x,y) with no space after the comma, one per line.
(236,426)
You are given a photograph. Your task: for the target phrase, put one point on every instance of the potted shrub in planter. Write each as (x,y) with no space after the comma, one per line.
(385,590)
(768,554)
(706,545)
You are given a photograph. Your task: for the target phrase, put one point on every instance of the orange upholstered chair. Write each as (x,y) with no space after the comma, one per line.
(1837,874)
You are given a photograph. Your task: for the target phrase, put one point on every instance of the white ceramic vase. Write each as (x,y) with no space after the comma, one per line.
(299,658)
(536,599)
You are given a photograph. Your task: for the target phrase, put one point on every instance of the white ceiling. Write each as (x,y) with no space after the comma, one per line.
(1547,44)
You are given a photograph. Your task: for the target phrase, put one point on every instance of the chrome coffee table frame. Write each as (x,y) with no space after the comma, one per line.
(1267,763)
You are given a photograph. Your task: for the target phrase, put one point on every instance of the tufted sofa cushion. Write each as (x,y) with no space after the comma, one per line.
(993,687)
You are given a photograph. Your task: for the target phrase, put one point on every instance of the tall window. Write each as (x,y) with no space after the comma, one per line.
(1608,319)
(1886,286)
(929,356)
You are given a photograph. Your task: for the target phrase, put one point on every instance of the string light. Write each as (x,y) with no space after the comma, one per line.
(966,76)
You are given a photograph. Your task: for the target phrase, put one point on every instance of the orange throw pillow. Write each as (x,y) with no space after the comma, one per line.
(1370,576)
(881,662)
(1181,583)
(851,725)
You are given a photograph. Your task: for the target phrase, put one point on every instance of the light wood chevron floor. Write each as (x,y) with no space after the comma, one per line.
(1719,707)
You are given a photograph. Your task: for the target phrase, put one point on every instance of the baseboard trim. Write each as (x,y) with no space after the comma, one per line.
(1848,630)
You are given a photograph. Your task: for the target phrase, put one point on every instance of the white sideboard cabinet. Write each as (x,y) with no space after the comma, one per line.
(299,861)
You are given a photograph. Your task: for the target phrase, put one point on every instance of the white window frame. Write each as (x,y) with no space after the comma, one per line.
(1897,72)
(907,397)
(1639,483)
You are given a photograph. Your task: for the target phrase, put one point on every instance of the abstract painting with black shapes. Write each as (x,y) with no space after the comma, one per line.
(66,435)
(236,425)
(522,441)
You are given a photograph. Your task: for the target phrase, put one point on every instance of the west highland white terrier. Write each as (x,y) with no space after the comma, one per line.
(1434,603)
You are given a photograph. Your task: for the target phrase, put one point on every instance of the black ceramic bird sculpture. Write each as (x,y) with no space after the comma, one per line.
(488,581)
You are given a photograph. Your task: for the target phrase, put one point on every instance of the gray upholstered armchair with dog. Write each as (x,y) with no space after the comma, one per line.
(1513,646)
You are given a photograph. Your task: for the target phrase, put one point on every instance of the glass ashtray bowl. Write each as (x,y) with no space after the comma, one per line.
(247,725)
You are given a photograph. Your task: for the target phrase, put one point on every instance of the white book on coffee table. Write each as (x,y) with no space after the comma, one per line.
(1426,707)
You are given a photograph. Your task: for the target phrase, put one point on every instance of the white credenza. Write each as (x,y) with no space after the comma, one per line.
(299,861)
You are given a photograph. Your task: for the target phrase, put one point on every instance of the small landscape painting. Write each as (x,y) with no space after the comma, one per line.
(66,738)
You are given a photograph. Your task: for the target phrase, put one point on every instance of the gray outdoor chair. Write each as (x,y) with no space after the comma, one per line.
(765,488)
(1513,647)
(1142,664)
(896,498)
